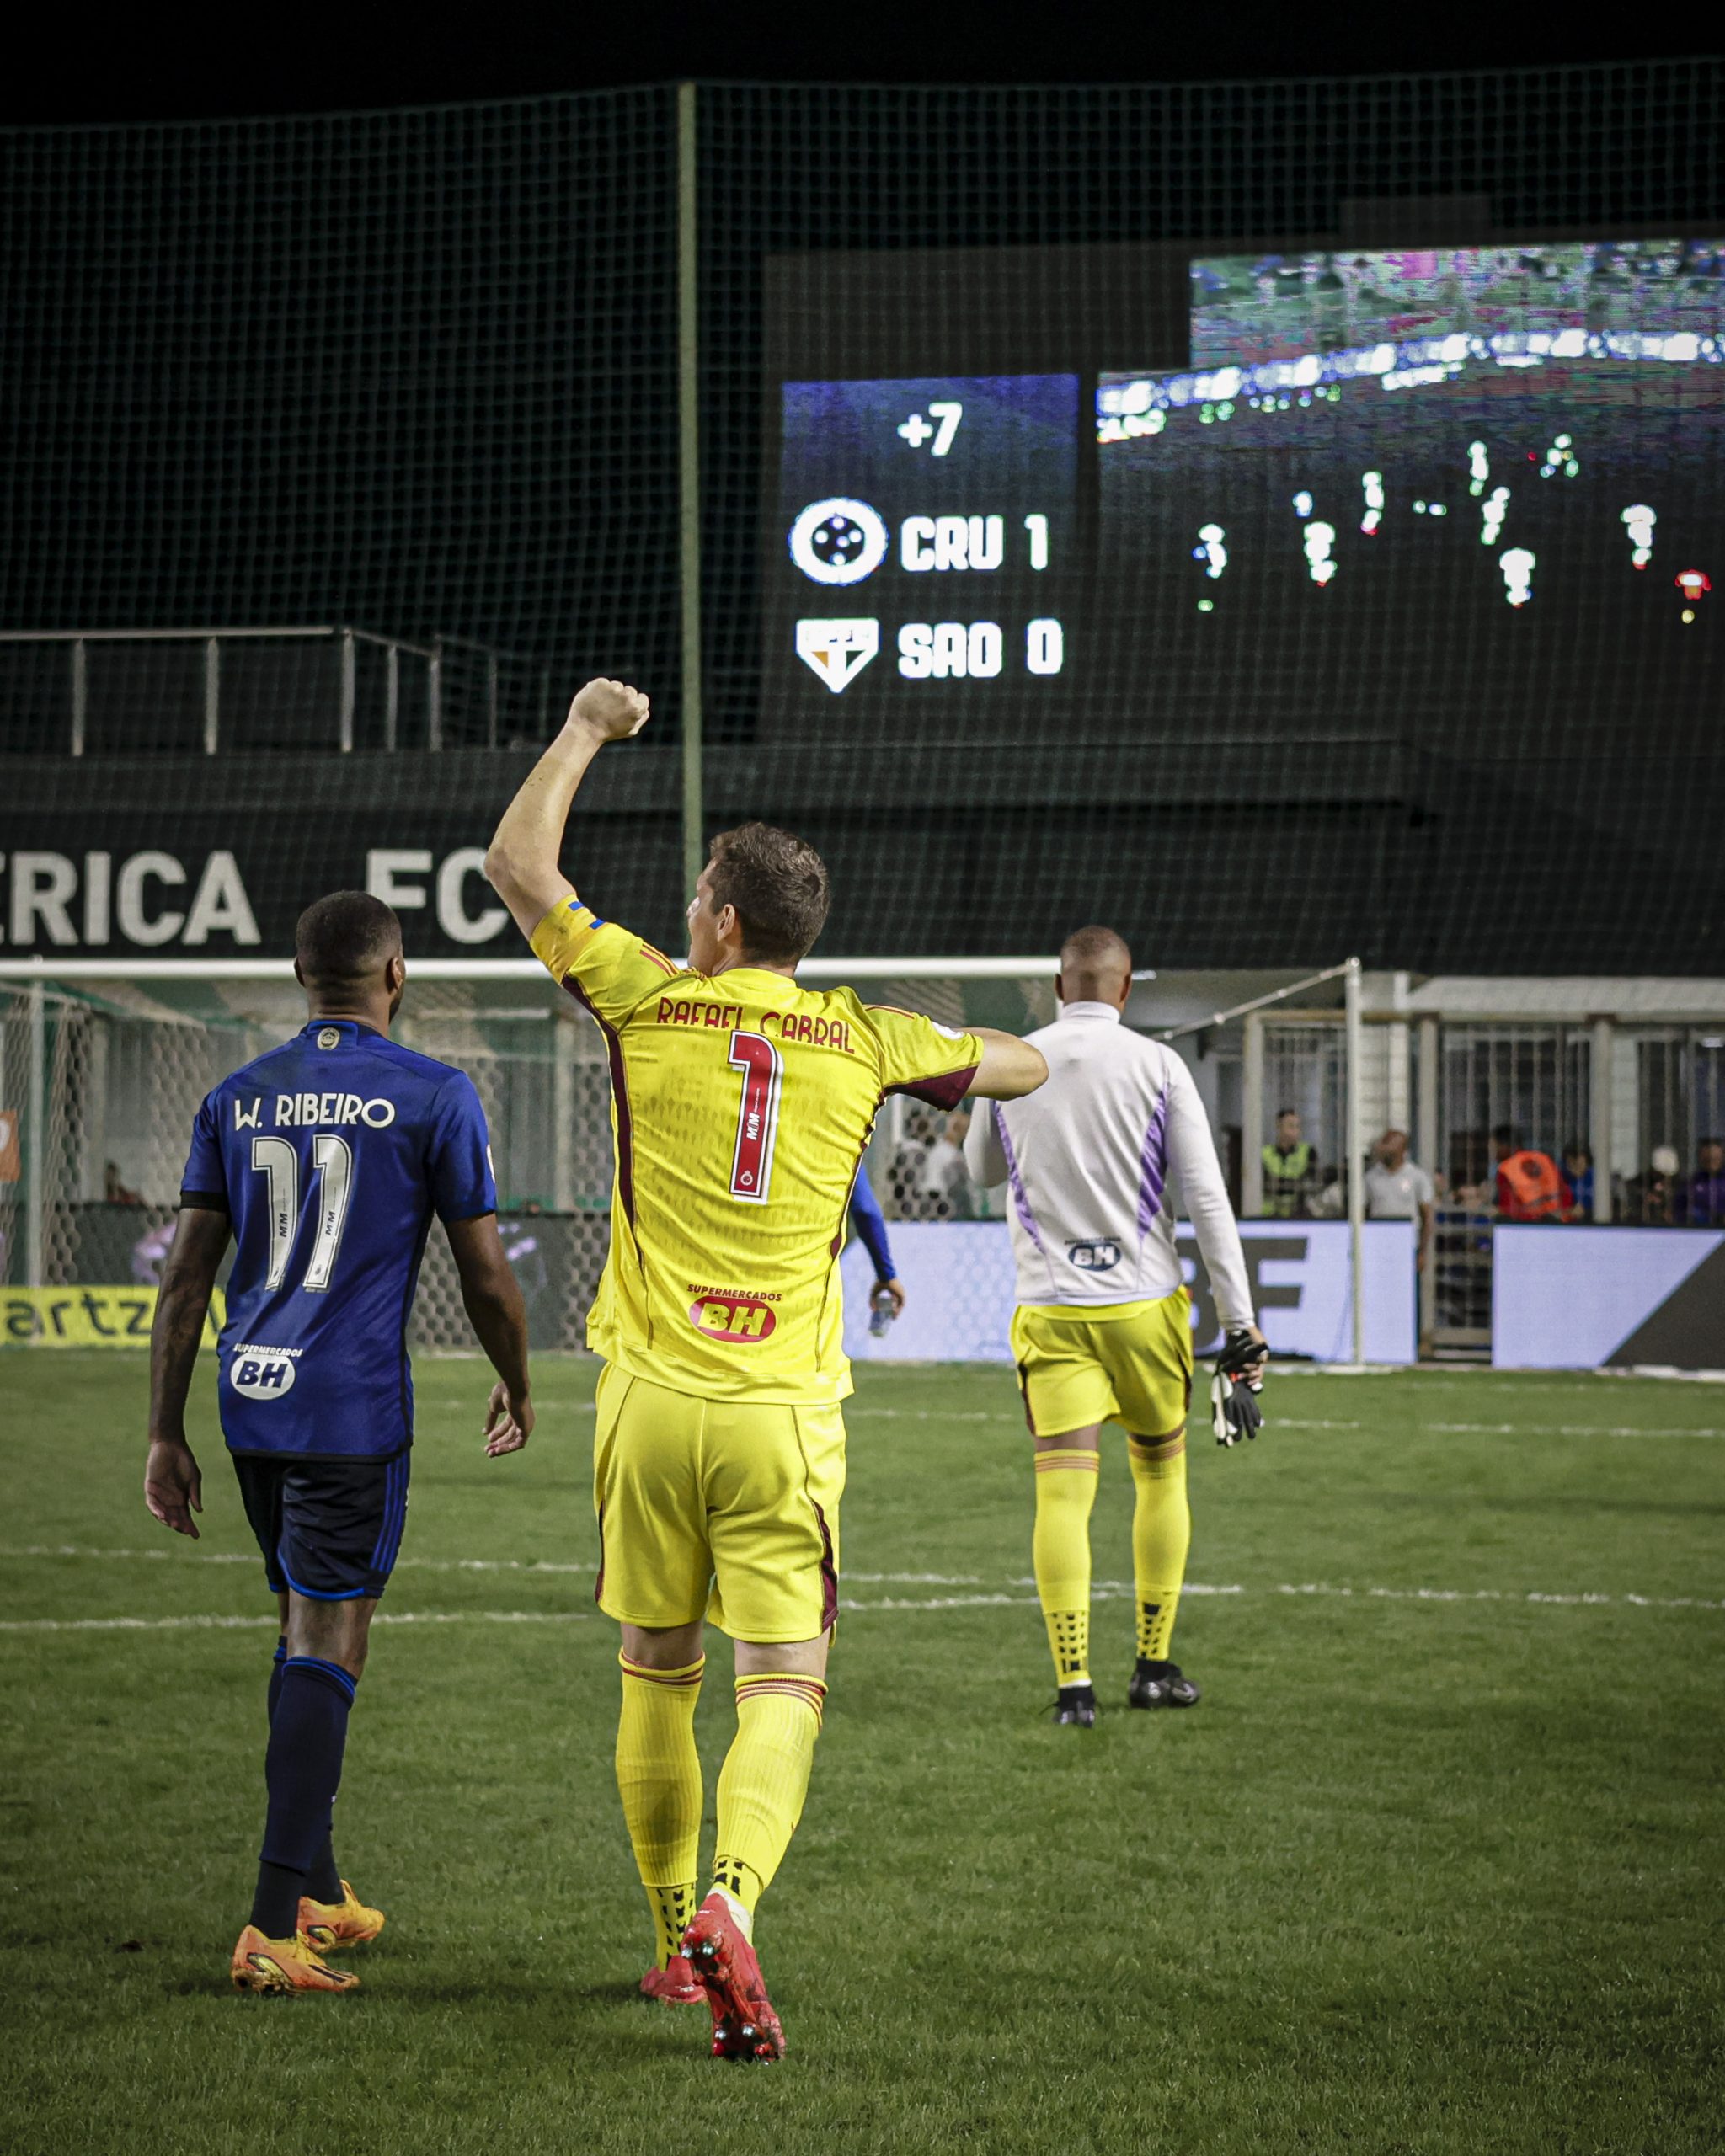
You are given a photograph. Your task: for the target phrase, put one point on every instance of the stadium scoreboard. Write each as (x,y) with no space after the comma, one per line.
(1437,495)
(927,548)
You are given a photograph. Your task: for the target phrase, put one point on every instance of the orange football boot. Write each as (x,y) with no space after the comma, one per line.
(745,2025)
(328,1926)
(283,1965)
(675,1984)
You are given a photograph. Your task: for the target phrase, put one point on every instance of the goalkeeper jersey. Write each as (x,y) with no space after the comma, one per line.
(1089,1158)
(741,1105)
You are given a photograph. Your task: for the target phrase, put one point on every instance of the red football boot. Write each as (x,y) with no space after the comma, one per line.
(675,1984)
(744,2024)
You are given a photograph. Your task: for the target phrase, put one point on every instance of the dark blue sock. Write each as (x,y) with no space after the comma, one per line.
(323,1881)
(302,1768)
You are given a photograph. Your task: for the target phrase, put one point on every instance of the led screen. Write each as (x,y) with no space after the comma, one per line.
(1467,489)
(1509,536)
(928,553)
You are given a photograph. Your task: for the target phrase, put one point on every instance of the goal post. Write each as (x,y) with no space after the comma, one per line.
(1250,1016)
(103,1064)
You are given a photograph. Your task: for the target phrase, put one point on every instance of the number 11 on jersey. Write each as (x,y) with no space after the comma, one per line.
(762,1067)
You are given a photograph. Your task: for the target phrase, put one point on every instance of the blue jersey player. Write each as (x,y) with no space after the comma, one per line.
(324,1160)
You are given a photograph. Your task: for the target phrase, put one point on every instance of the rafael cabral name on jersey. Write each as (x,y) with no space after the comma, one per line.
(788,1024)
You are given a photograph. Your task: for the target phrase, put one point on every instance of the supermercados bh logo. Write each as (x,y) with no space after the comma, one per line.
(258,1372)
(1102,1255)
(728,1314)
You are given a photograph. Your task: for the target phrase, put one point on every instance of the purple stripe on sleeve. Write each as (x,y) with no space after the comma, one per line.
(1153,1167)
(1021,1203)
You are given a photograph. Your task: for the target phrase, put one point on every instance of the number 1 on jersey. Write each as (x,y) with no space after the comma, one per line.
(762,1067)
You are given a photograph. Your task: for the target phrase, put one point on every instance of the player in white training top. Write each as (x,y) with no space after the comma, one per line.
(1102,1329)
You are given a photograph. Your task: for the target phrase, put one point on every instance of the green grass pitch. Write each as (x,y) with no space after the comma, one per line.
(1436,1865)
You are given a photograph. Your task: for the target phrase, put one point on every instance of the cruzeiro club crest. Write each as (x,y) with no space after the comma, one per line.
(838,651)
(838,541)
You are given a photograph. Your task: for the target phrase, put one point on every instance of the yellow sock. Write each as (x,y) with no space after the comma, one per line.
(1059,1548)
(764,1779)
(1162,1531)
(659,1780)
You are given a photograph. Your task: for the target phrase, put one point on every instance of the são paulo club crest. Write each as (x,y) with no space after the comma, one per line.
(838,541)
(838,651)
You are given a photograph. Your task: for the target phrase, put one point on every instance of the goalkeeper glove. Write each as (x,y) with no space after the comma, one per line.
(1234,1387)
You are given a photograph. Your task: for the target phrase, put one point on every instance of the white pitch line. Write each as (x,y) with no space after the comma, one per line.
(1103,1591)
(271,1623)
(170,1555)
(1575,1429)
(1015,1419)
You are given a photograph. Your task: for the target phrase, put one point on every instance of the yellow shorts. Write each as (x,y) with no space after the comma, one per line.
(1128,1363)
(728,1508)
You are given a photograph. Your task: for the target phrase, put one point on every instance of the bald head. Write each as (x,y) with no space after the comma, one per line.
(1096,967)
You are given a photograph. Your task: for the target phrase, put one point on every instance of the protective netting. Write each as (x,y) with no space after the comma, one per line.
(119,1069)
(1296,508)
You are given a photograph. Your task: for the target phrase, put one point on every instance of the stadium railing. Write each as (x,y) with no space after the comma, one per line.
(326,686)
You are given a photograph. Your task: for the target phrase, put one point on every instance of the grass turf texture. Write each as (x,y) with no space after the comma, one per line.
(1419,1874)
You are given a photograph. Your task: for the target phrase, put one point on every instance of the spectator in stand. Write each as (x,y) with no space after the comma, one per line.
(1398,1188)
(1290,1176)
(1701,1200)
(1528,1184)
(114,1191)
(905,1172)
(148,1254)
(1579,1180)
(1649,1198)
(946,1182)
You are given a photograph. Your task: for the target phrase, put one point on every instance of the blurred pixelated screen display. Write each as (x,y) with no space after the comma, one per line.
(1472,489)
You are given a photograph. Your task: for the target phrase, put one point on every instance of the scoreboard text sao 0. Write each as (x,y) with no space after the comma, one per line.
(926,539)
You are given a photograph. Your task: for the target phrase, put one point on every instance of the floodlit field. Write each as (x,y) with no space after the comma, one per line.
(1435,1865)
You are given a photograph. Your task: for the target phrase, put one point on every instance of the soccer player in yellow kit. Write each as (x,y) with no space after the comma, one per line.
(741,1105)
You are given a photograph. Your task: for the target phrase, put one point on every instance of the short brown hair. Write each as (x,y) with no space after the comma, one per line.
(779,886)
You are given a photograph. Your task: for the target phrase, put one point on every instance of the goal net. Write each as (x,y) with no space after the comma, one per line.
(100,1079)
(101,1076)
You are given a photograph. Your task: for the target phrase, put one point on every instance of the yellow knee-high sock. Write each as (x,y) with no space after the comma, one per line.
(659,1780)
(1059,1549)
(764,1779)
(1162,1531)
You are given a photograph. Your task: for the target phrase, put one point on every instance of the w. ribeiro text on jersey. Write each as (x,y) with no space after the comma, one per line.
(330,1155)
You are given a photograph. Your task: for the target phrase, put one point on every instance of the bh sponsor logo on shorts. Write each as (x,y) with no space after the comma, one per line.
(260,1373)
(731,1314)
(1100,1255)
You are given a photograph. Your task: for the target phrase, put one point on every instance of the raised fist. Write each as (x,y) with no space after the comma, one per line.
(611,709)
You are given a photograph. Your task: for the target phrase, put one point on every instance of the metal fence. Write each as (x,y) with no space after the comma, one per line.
(307,690)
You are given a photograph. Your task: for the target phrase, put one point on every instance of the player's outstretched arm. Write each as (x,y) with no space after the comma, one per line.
(1010,1067)
(174,1489)
(492,1297)
(521,862)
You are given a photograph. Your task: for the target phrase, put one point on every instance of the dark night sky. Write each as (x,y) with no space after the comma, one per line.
(146,64)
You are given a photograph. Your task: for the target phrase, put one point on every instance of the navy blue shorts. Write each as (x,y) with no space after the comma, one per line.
(329,1528)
